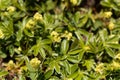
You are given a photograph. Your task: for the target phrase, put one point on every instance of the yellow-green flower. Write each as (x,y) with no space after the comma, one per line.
(37,17)
(115,65)
(35,62)
(57,39)
(111,26)
(10,65)
(1,34)
(54,33)
(11,9)
(99,68)
(67,35)
(30,24)
(74,2)
(107,14)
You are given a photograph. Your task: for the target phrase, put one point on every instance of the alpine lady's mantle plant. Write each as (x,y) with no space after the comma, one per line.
(59,40)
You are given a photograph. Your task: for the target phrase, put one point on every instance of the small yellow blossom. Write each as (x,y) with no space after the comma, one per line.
(54,33)
(115,65)
(10,65)
(11,9)
(69,36)
(107,14)
(100,68)
(35,62)
(37,17)
(111,26)
(57,38)
(1,34)
(74,2)
(30,24)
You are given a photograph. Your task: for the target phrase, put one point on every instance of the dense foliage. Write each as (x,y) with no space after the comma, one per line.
(59,39)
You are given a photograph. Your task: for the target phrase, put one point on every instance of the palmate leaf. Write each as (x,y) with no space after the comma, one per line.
(7,28)
(21,26)
(41,47)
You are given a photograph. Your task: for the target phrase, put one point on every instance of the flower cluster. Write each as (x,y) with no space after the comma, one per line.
(115,65)
(10,65)
(35,62)
(107,14)
(100,68)
(37,17)
(56,36)
(32,22)
(67,35)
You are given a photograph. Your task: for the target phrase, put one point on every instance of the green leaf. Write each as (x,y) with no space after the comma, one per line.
(110,52)
(113,45)
(83,21)
(42,53)
(7,28)
(46,41)
(28,33)
(57,67)
(64,46)
(74,67)
(11,50)
(48,74)
(35,48)
(73,59)
(89,64)
(75,51)
(67,66)
(81,53)
(74,75)
(103,35)
(19,35)
(2,55)
(3,73)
